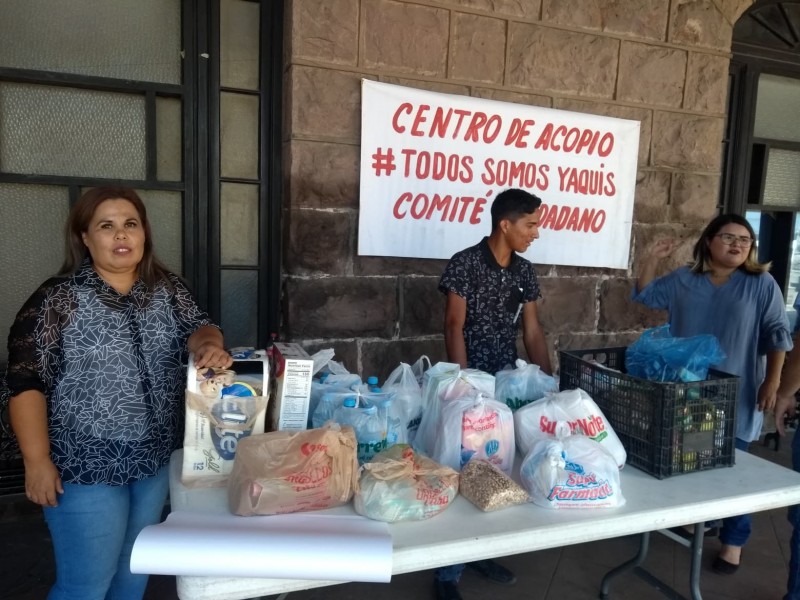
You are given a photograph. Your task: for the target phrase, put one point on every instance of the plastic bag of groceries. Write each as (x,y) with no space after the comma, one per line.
(476,427)
(292,471)
(444,382)
(570,411)
(329,382)
(420,367)
(405,412)
(571,472)
(657,356)
(402,485)
(523,385)
(222,409)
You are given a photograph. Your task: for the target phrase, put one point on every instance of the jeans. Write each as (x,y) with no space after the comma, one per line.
(736,530)
(93,529)
(449,573)
(793,587)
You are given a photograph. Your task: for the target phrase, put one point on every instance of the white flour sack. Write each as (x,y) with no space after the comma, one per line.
(567,412)
(571,472)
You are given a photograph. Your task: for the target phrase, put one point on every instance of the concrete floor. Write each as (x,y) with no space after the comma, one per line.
(568,573)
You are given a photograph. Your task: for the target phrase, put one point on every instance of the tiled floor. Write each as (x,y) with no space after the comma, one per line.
(569,573)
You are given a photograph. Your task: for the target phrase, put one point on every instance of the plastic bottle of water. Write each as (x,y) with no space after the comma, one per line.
(370,434)
(348,414)
(372,384)
(384,402)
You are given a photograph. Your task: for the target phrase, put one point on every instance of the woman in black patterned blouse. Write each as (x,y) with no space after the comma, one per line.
(96,377)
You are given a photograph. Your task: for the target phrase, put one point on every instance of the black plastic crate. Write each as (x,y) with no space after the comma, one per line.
(667,428)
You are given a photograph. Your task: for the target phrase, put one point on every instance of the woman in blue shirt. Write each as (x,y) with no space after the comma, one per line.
(96,376)
(728,293)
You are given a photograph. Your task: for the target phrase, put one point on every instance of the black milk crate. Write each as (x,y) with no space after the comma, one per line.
(667,428)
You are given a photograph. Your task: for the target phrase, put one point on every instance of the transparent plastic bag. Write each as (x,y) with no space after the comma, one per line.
(405,412)
(523,385)
(401,485)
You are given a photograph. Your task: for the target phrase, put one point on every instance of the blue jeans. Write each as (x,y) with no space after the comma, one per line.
(93,529)
(736,530)
(449,573)
(793,587)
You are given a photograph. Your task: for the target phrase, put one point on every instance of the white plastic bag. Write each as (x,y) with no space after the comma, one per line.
(523,385)
(572,409)
(571,472)
(420,367)
(442,383)
(476,428)
(405,412)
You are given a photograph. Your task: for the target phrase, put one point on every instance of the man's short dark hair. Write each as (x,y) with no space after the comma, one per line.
(511,204)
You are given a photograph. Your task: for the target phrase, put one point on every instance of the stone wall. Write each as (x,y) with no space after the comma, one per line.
(661,62)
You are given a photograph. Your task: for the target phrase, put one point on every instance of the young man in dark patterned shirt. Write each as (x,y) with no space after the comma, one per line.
(491,290)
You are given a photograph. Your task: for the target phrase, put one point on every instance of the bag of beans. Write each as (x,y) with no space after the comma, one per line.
(488,488)
(402,485)
(293,471)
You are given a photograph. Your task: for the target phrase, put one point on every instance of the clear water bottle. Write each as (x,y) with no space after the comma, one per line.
(394,433)
(372,384)
(370,434)
(348,414)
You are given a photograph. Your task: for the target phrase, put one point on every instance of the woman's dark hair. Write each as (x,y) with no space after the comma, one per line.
(511,204)
(702,255)
(151,271)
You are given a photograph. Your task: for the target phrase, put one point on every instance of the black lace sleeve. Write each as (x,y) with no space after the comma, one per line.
(25,368)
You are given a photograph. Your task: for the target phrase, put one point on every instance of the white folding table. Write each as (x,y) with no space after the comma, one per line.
(463,533)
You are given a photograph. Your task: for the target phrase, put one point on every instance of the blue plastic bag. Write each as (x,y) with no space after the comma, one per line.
(657,356)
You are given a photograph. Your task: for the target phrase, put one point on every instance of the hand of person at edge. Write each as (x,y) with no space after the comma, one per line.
(767,395)
(663,248)
(212,355)
(42,482)
(784,405)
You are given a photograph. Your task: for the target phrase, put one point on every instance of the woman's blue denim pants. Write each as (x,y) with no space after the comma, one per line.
(736,530)
(93,529)
(793,587)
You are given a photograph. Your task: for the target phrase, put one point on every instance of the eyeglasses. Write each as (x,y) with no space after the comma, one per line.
(729,238)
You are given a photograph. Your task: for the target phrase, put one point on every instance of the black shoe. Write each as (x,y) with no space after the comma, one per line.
(723,567)
(447,590)
(493,571)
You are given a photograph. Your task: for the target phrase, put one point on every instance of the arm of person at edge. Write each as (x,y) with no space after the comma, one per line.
(455,315)
(785,403)
(28,415)
(767,392)
(648,268)
(533,338)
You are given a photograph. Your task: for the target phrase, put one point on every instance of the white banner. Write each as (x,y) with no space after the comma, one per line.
(432,163)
